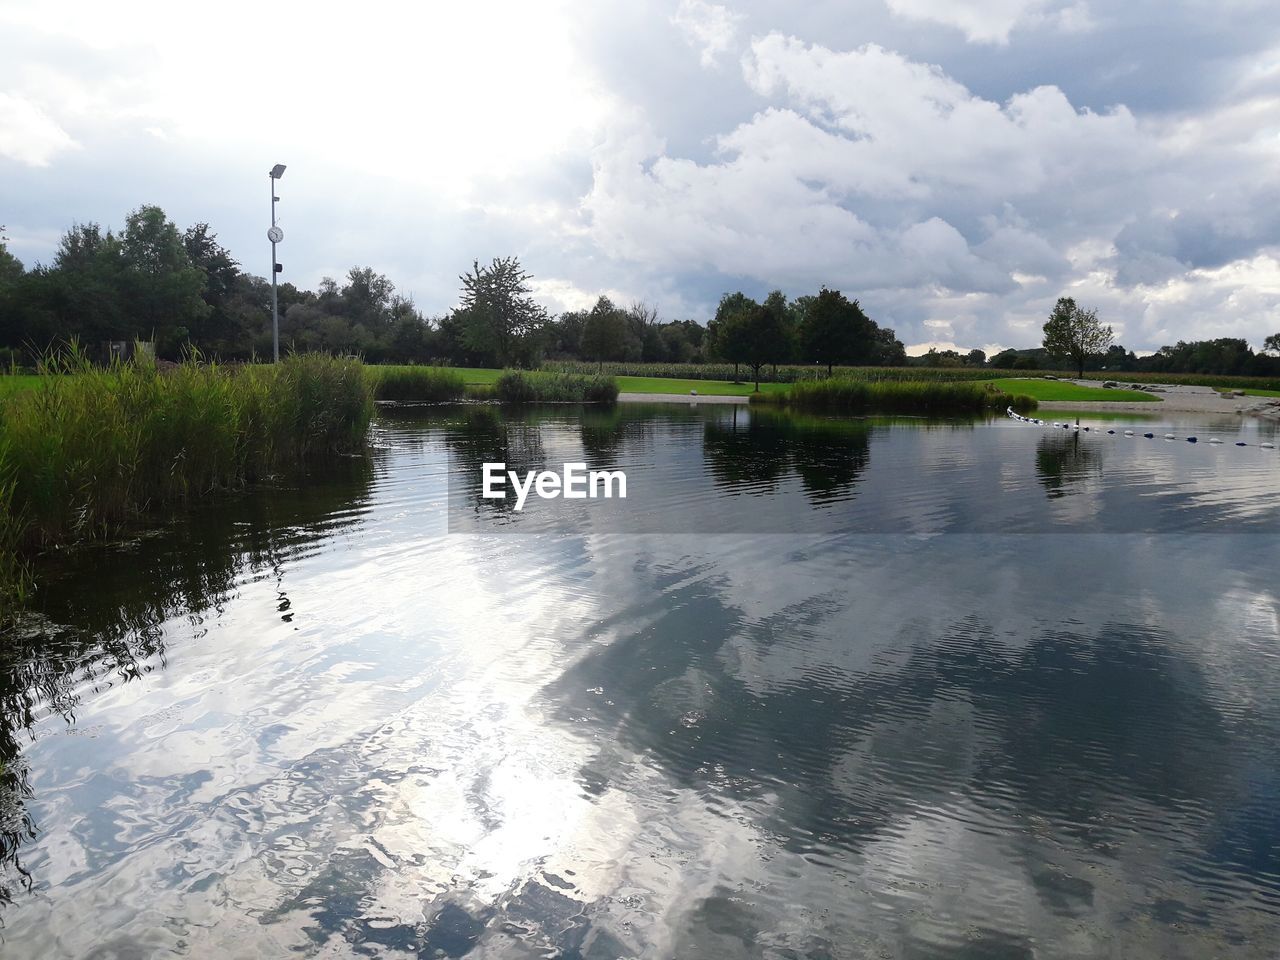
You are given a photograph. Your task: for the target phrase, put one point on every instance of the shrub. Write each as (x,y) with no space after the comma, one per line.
(515,386)
(422,384)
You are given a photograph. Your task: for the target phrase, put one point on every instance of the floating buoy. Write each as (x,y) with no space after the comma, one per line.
(1213,440)
(1191,439)
(1110,431)
(1267,446)
(1128,433)
(1170,436)
(1241,443)
(1149,436)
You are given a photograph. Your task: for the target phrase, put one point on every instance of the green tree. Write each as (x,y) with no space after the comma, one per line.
(227,330)
(1075,334)
(1272,344)
(163,289)
(833,329)
(84,288)
(887,349)
(975,358)
(499,317)
(764,333)
(604,333)
(726,332)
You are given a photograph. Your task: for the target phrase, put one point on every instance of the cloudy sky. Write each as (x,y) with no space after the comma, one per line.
(955,164)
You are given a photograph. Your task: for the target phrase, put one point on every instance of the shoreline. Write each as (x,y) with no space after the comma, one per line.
(679,398)
(1173,398)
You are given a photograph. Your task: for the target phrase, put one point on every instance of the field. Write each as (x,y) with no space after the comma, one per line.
(14,384)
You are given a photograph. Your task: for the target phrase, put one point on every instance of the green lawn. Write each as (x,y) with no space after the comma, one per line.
(10,385)
(1048,391)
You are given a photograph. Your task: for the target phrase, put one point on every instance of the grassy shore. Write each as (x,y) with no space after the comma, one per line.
(1048,391)
(86,450)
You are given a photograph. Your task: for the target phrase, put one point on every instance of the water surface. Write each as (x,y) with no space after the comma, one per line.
(816,689)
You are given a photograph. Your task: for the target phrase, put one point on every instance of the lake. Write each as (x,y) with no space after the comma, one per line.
(815,688)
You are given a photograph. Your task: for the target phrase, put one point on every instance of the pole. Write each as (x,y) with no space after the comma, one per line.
(275,315)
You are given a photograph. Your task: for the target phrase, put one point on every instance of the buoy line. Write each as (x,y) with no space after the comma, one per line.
(1076,428)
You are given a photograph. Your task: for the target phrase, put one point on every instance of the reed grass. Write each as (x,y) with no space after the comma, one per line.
(417,384)
(90,449)
(884,396)
(519,386)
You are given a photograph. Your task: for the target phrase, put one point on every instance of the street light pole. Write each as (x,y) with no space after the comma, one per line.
(275,235)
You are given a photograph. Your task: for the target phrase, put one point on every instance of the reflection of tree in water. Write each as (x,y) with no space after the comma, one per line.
(97,621)
(519,438)
(486,434)
(1064,459)
(752,451)
(607,431)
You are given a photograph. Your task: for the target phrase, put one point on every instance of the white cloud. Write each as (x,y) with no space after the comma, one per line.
(28,134)
(708,27)
(599,150)
(991,21)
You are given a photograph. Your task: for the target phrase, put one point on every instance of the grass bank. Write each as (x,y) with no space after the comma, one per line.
(911,397)
(1048,391)
(86,450)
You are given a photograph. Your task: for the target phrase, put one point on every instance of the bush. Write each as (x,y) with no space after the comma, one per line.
(422,384)
(515,386)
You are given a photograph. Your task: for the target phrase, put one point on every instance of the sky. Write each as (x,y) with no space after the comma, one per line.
(956,165)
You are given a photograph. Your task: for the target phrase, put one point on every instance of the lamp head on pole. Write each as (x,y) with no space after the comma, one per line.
(277,171)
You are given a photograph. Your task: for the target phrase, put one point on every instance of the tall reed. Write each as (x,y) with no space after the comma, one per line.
(519,386)
(89,449)
(884,396)
(408,384)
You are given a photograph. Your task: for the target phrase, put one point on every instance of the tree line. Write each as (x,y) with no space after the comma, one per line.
(181,289)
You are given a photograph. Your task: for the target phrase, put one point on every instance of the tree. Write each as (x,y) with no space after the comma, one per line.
(604,334)
(726,332)
(1005,359)
(833,329)
(227,330)
(764,334)
(1075,334)
(1272,344)
(887,349)
(163,290)
(499,316)
(975,358)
